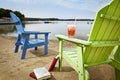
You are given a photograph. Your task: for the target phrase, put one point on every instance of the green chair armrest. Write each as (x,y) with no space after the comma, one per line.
(88,43)
(73,40)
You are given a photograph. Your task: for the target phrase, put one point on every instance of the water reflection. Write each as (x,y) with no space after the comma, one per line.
(4,29)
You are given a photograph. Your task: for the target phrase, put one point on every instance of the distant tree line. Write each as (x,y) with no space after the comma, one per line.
(55,19)
(41,19)
(6,13)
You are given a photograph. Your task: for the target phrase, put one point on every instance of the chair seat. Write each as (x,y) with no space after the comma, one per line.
(72,53)
(36,41)
(71,56)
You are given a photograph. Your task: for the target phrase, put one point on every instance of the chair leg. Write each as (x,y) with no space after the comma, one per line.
(81,76)
(84,75)
(23,53)
(60,63)
(46,49)
(60,54)
(16,48)
(81,70)
(17,44)
(117,73)
(117,58)
(35,48)
(87,75)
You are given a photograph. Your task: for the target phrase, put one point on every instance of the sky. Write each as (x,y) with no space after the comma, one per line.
(64,9)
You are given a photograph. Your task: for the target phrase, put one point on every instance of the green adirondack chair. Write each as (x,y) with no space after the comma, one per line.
(104,39)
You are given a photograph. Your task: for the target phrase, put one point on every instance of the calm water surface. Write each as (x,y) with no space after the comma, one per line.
(59,27)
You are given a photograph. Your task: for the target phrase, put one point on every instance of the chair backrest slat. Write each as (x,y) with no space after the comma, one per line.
(18,23)
(104,29)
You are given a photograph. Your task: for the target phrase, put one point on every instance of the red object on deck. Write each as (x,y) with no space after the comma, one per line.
(32,74)
(54,61)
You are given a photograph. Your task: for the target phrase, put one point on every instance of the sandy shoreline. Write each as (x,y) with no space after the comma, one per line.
(13,68)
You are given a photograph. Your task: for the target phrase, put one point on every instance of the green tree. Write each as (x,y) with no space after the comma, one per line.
(20,15)
(6,13)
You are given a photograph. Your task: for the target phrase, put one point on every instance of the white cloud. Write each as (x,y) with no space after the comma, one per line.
(90,5)
(22,1)
(87,4)
(67,3)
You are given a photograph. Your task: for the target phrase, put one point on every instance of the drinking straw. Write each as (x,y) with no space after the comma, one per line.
(75,22)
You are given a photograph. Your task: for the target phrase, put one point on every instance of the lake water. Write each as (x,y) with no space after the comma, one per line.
(58,27)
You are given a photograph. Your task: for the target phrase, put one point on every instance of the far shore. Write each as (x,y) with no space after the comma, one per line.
(6,19)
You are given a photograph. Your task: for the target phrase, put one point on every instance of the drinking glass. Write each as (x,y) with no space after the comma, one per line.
(71,30)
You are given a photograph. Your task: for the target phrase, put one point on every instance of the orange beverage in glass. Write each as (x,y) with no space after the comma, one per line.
(71,31)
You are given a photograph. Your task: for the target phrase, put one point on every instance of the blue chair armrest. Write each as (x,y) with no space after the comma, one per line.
(36,34)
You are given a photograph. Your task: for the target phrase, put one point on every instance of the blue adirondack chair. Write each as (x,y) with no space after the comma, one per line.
(24,38)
